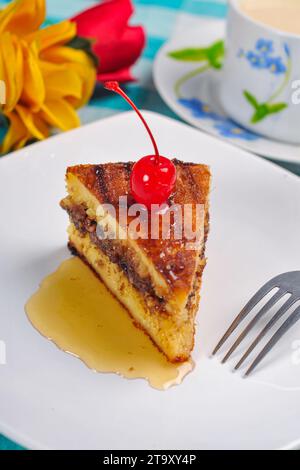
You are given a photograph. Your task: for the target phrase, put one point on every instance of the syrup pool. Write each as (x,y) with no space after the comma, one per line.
(74,309)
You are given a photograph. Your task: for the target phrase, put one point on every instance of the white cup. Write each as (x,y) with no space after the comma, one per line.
(260,86)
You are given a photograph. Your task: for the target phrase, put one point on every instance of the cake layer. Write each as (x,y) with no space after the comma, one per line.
(81,197)
(164,266)
(118,252)
(175,341)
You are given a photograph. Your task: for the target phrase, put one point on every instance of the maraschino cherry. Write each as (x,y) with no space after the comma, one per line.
(153,177)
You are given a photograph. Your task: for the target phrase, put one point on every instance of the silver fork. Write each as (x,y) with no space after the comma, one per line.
(288,283)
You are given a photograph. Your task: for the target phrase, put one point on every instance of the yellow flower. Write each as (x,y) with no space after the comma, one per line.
(46,81)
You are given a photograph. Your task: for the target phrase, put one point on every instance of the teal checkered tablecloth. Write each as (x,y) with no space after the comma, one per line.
(159,17)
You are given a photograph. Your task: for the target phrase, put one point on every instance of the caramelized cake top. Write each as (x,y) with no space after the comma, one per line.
(107,182)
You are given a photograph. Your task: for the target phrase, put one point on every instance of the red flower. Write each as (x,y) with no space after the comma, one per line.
(117,45)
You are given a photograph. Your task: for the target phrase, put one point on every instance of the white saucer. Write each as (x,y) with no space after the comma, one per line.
(199,104)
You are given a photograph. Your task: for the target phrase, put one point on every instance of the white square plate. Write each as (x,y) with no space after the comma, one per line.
(49,399)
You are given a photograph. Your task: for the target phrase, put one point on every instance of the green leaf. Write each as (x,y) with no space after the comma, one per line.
(85,45)
(215,54)
(265,109)
(276,108)
(261,112)
(251,99)
(189,54)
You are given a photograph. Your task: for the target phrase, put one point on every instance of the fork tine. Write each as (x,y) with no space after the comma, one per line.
(271,302)
(285,307)
(263,291)
(287,325)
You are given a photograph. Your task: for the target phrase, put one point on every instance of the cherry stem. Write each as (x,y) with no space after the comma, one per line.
(114,86)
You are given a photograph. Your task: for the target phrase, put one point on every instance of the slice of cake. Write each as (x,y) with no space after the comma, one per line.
(156,278)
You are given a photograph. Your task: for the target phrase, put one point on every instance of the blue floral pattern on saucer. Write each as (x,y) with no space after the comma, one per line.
(198,108)
(225,126)
(228,128)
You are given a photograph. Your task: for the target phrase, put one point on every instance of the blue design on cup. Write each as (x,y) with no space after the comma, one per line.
(287,49)
(256,61)
(262,58)
(276,65)
(264,46)
(225,126)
